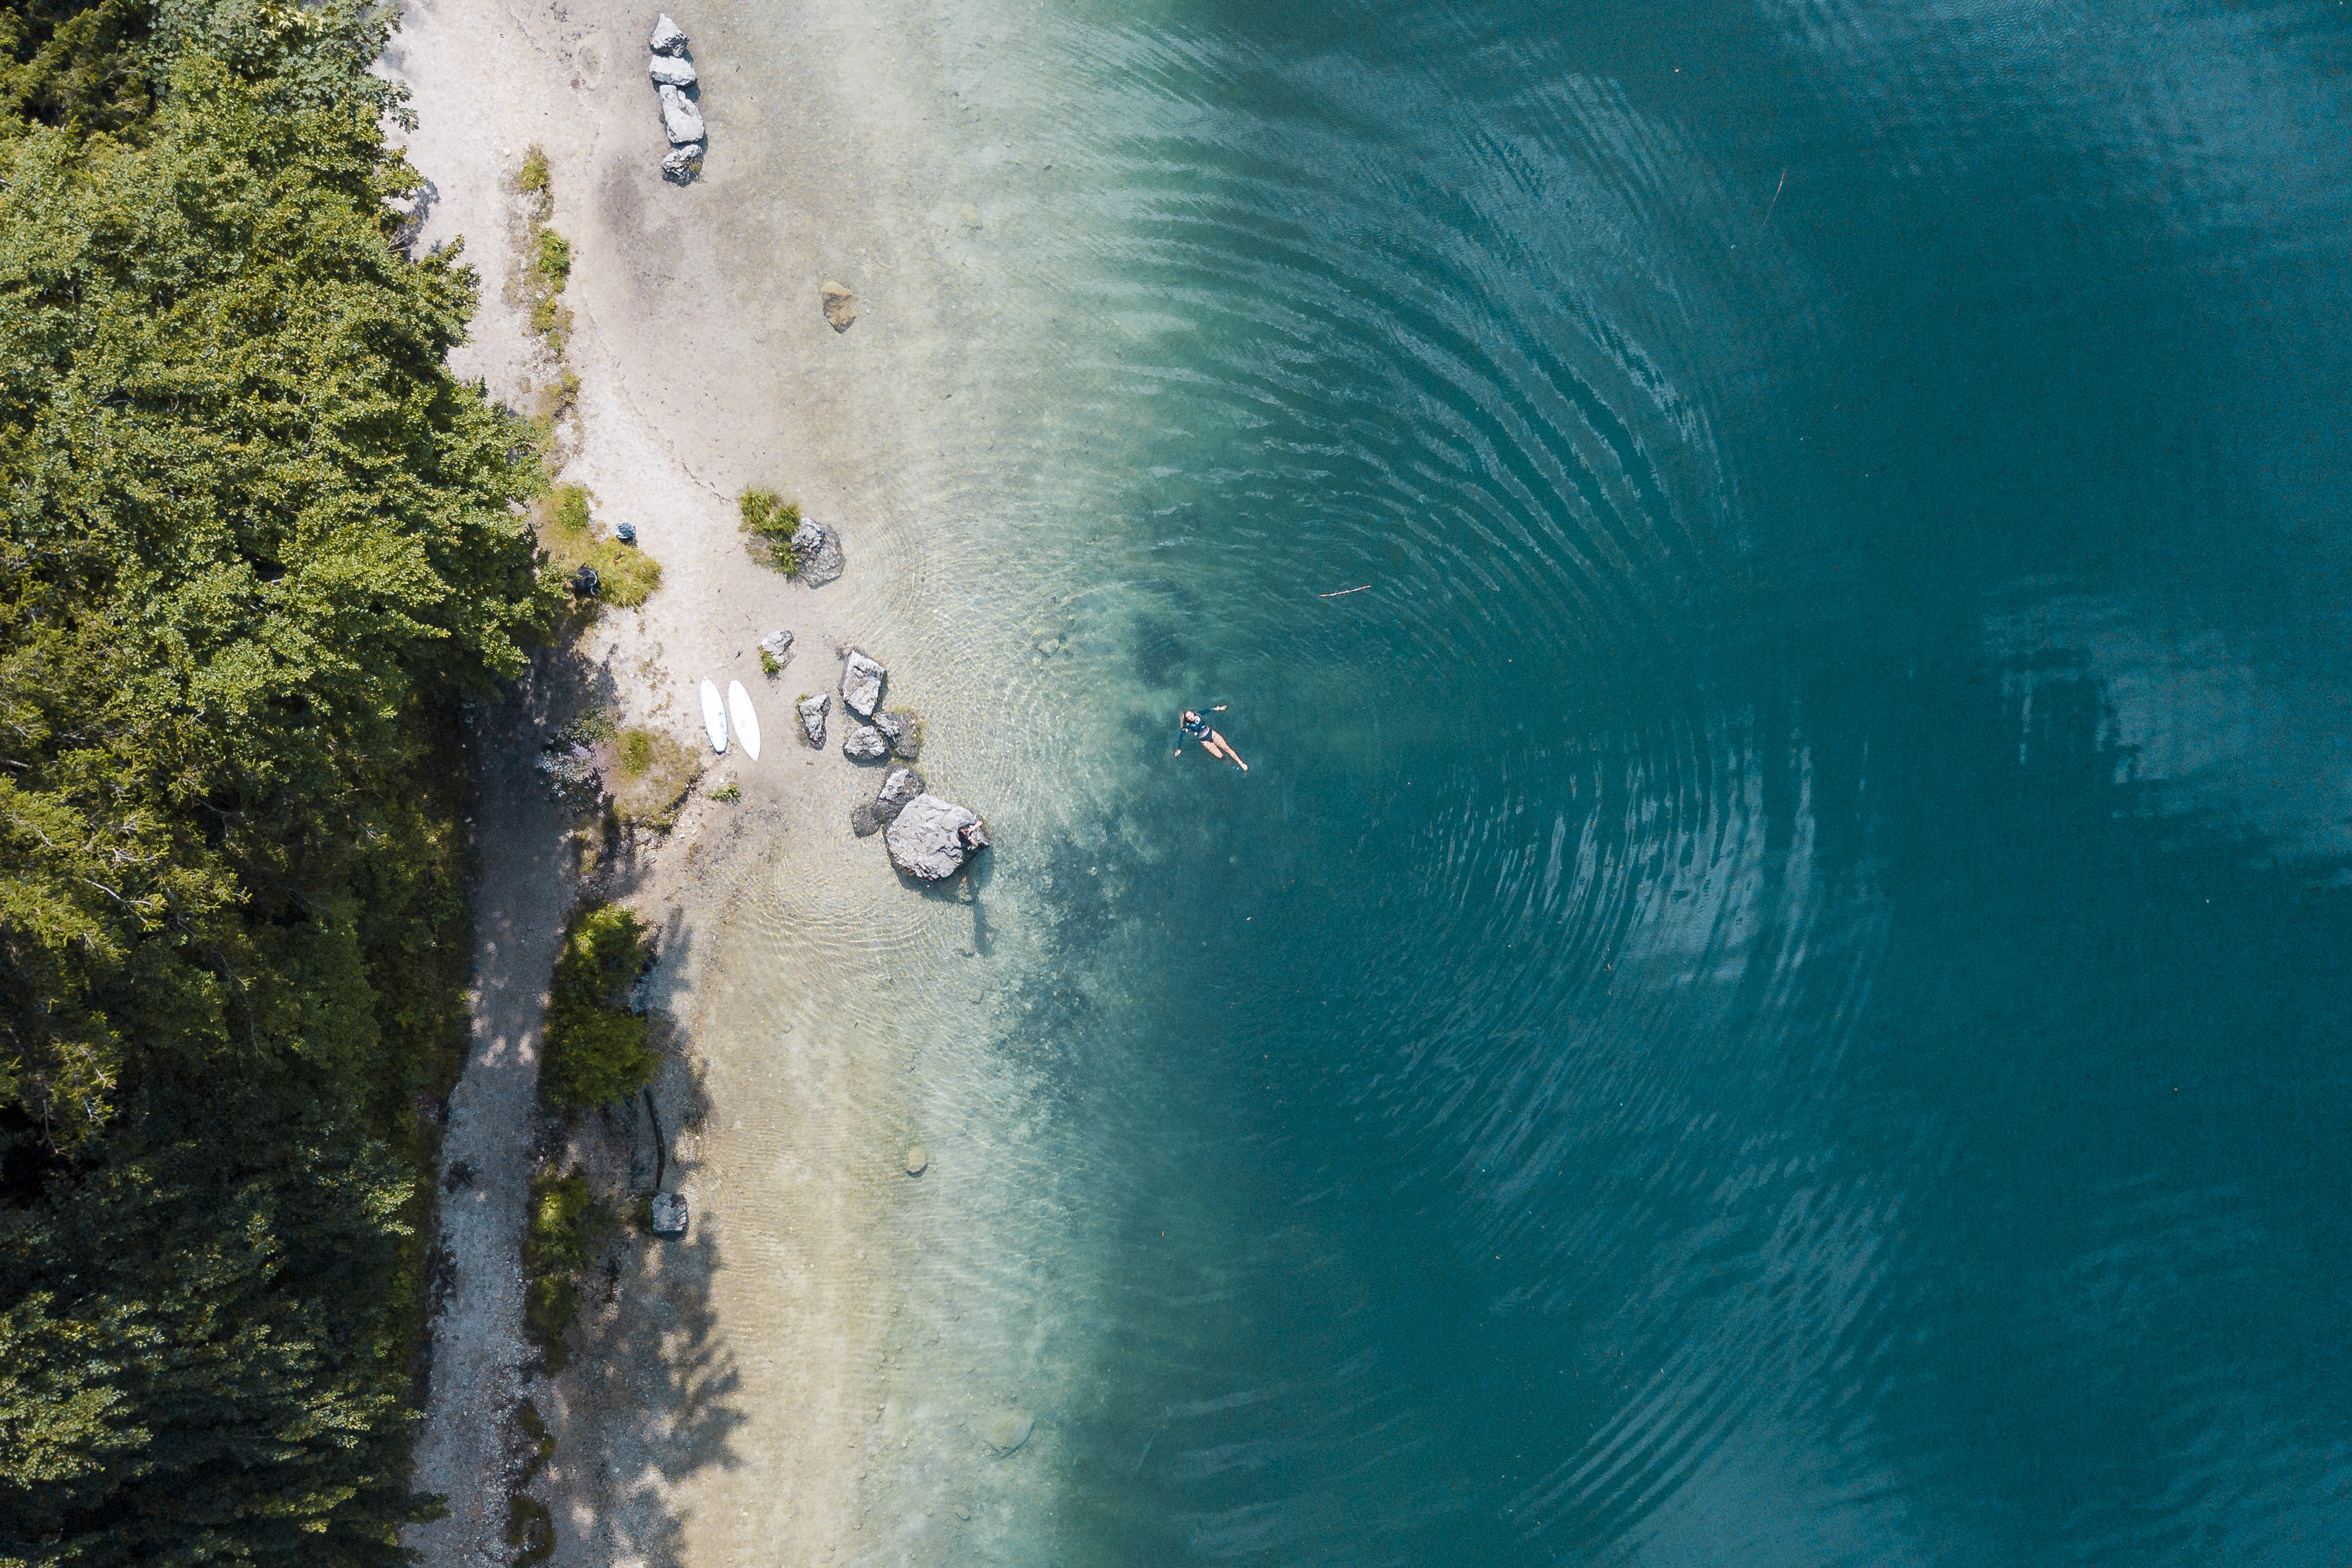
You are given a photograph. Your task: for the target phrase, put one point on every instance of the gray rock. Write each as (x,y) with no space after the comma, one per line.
(861,684)
(817,555)
(1006,1431)
(668,39)
(683,164)
(669,1214)
(840,304)
(864,743)
(919,1160)
(778,645)
(902,785)
(674,71)
(903,728)
(813,712)
(862,820)
(680,119)
(933,838)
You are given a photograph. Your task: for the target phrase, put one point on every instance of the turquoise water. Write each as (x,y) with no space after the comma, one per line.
(1776,991)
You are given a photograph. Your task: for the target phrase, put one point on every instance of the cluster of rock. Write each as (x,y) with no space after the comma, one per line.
(927,838)
(674,77)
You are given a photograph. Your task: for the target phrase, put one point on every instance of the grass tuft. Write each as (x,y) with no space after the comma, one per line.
(568,531)
(770,521)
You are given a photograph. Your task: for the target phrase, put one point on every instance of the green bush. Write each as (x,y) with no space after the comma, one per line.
(532,177)
(770,521)
(596,1050)
(567,1227)
(554,257)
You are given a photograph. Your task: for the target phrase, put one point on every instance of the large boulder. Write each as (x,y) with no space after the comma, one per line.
(861,683)
(670,70)
(903,728)
(864,743)
(680,119)
(816,554)
(933,838)
(901,785)
(813,712)
(668,39)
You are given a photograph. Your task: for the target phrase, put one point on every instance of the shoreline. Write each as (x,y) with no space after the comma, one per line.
(668,1386)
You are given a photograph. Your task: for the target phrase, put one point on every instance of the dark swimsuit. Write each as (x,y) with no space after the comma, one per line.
(1198,728)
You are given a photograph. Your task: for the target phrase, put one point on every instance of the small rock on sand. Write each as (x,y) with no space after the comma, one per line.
(861,683)
(680,119)
(840,304)
(817,555)
(919,1160)
(669,1214)
(670,69)
(683,164)
(931,837)
(668,39)
(864,743)
(812,712)
(1006,1431)
(778,646)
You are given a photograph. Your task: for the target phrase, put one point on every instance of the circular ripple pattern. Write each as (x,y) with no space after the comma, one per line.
(1774,990)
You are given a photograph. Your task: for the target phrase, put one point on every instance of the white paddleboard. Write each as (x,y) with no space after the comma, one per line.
(714,718)
(747,723)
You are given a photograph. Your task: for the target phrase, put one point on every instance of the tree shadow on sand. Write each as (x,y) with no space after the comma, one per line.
(649,1396)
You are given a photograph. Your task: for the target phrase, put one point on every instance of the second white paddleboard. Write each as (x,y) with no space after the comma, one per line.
(747,723)
(714,718)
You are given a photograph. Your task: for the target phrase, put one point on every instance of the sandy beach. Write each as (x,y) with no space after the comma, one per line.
(720,1394)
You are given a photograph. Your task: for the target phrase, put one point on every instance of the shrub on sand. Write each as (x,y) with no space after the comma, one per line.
(770,521)
(596,1050)
(570,534)
(651,774)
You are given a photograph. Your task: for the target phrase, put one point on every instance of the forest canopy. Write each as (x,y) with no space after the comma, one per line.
(255,544)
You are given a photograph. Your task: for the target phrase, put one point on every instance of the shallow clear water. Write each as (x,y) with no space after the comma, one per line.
(1776,990)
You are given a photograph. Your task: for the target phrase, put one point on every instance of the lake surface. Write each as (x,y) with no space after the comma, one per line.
(1776,991)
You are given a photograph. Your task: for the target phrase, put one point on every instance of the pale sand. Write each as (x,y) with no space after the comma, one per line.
(722,1402)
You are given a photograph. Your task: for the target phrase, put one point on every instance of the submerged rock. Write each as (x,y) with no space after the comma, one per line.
(862,820)
(932,838)
(1007,1429)
(817,555)
(668,39)
(680,119)
(672,71)
(902,785)
(864,743)
(778,646)
(903,728)
(861,683)
(683,164)
(669,1214)
(919,1160)
(813,710)
(840,304)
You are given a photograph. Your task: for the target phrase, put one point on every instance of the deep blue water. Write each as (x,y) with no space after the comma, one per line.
(1777,992)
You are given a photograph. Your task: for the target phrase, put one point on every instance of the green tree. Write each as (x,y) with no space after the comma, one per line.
(596,1050)
(256,543)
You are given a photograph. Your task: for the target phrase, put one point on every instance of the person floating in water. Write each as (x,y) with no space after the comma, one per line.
(1193,724)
